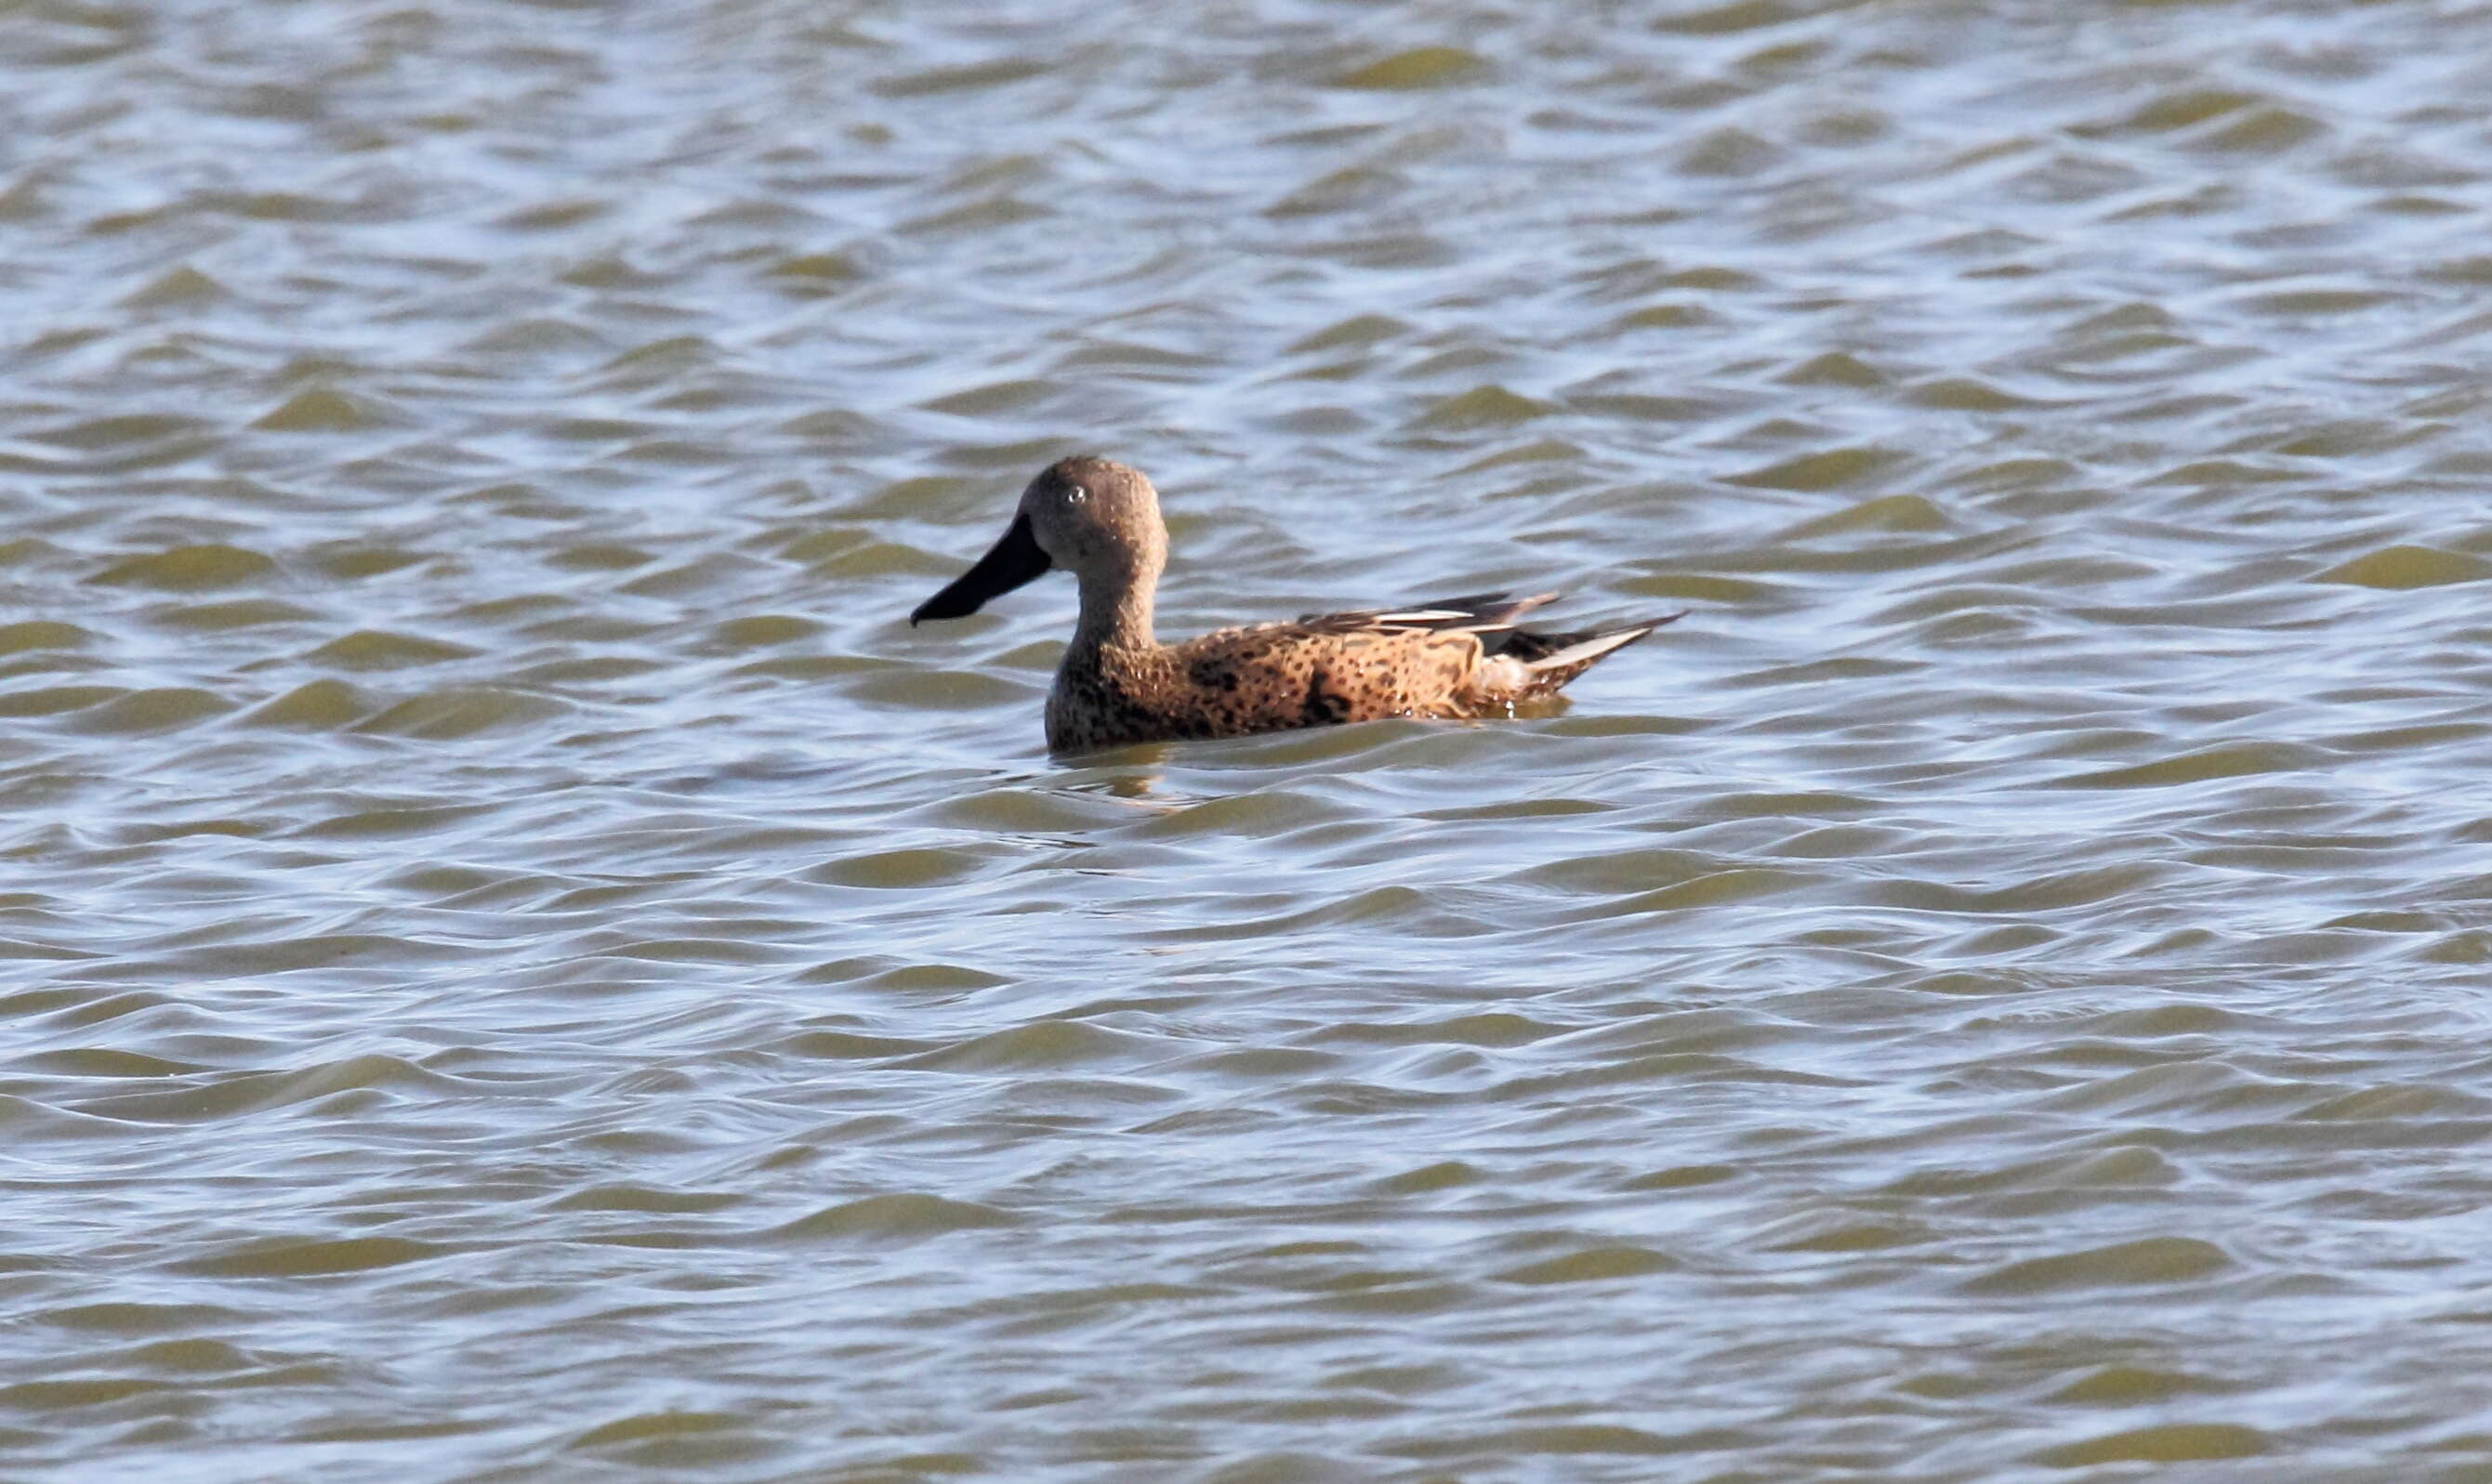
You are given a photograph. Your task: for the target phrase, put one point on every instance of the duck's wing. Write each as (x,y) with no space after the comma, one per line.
(1474,613)
(1451,657)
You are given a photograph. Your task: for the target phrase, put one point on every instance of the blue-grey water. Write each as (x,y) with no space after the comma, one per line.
(521,966)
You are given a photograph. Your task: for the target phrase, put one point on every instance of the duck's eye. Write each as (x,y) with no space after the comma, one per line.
(1076,494)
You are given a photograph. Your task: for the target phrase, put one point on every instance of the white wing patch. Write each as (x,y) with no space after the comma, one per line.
(1420,615)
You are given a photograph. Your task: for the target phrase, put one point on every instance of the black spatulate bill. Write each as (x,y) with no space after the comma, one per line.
(1009,563)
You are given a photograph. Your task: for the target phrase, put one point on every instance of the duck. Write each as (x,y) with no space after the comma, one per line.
(1099,519)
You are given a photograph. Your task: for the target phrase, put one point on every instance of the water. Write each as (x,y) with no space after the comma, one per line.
(523,967)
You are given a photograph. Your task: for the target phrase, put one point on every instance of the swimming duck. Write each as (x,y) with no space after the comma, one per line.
(1100,520)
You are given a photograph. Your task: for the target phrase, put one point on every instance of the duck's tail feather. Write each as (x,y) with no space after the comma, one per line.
(1553,659)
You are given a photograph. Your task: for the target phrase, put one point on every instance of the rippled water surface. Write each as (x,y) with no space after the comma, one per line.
(522,967)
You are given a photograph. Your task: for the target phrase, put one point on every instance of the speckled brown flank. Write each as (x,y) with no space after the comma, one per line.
(1100,520)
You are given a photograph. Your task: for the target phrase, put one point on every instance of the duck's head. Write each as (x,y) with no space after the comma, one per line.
(1094,517)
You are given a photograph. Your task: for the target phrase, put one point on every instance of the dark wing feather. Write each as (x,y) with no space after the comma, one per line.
(1472,612)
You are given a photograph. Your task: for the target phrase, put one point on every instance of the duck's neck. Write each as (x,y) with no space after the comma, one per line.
(1115,614)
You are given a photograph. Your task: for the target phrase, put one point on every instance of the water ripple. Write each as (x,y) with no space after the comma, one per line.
(516,961)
